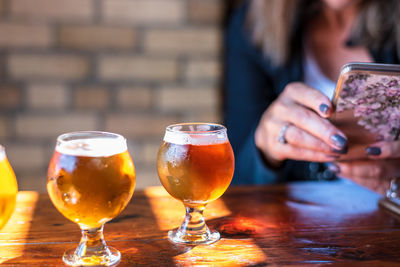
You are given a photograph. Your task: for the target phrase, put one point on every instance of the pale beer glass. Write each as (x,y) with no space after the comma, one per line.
(195,165)
(8,188)
(91,179)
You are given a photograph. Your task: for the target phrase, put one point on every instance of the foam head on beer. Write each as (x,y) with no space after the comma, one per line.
(202,135)
(92,147)
(2,153)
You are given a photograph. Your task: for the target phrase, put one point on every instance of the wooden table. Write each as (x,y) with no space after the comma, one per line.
(296,224)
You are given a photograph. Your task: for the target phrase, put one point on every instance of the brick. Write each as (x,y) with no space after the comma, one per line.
(5,128)
(2,7)
(143,11)
(196,70)
(25,157)
(139,125)
(24,35)
(91,98)
(134,97)
(146,177)
(133,68)
(71,10)
(138,149)
(149,152)
(212,116)
(205,11)
(134,148)
(11,98)
(52,125)
(183,41)
(97,37)
(29,66)
(47,96)
(186,99)
(32,182)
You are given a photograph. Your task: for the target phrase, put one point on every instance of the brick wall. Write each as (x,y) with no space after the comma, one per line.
(126,66)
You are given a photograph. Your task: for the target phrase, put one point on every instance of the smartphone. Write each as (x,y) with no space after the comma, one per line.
(367,102)
(367,110)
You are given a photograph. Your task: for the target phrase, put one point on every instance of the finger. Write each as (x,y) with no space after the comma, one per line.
(302,139)
(373,174)
(304,154)
(309,97)
(378,185)
(354,152)
(384,149)
(365,169)
(310,122)
(369,168)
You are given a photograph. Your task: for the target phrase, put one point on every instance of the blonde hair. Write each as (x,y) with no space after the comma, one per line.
(273,24)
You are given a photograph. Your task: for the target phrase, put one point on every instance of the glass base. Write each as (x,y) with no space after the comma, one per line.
(111,257)
(209,237)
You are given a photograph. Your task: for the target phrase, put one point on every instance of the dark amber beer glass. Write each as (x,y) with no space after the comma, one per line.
(91,178)
(195,165)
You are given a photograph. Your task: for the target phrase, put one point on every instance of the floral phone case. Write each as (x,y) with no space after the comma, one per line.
(367,109)
(367,102)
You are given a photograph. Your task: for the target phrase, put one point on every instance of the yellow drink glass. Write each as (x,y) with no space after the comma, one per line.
(8,188)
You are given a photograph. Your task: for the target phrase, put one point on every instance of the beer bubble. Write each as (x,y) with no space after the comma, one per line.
(177,181)
(65,197)
(71,197)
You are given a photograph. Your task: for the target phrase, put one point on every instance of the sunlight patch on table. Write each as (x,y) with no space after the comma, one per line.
(18,226)
(227,252)
(170,212)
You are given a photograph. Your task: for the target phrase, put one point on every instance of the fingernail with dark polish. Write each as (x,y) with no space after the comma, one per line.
(373,151)
(324,108)
(339,140)
(341,151)
(334,168)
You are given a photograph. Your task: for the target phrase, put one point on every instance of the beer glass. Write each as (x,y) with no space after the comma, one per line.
(195,165)
(91,178)
(8,188)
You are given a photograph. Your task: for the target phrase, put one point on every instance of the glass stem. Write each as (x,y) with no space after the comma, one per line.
(194,223)
(92,244)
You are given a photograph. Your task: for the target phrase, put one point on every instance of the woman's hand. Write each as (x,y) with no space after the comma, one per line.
(374,174)
(381,163)
(384,150)
(378,150)
(309,135)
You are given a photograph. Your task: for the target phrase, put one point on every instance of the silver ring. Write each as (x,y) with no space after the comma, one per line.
(281,136)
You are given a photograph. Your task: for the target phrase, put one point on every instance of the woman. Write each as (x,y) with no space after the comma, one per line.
(282,60)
